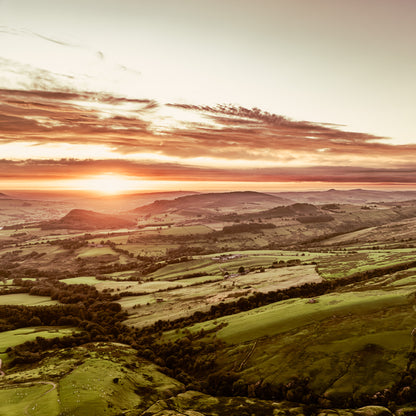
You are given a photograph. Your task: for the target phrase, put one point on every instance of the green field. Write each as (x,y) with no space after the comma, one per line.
(98,379)
(347,343)
(183,301)
(26,299)
(96,251)
(231,262)
(33,398)
(355,261)
(21,335)
(81,280)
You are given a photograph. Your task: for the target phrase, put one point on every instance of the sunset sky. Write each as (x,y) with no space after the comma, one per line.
(133,95)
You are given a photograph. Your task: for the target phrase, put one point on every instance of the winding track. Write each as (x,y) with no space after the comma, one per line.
(51,383)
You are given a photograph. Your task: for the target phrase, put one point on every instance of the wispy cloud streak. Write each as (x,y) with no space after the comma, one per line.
(293,150)
(71,169)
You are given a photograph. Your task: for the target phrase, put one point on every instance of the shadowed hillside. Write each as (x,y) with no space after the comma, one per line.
(352,196)
(213,203)
(87,220)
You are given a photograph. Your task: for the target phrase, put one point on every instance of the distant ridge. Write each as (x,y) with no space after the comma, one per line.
(81,219)
(351,196)
(210,202)
(4,196)
(172,194)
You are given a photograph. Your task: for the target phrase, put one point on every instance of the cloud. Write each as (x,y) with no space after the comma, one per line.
(225,138)
(64,169)
(254,130)
(55,63)
(45,117)
(28,33)
(141,125)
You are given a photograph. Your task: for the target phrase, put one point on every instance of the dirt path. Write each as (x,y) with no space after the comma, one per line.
(51,383)
(1,371)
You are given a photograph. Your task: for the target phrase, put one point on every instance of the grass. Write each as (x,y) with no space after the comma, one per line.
(26,299)
(96,251)
(85,280)
(90,384)
(285,316)
(14,401)
(21,335)
(347,343)
(346,264)
(184,301)
(274,254)
(291,314)
(96,379)
(248,259)
(177,270)
(149,248)
(186,230)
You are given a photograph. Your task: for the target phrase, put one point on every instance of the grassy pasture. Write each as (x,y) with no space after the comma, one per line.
(85,280)
(275,254)
(186,230)
(293,314)
(40,256)
(177,270)
(404,278)
(26,299)
(188,299)
(149,248)
(97,379)
(5,234)
(248,259)
(285,316)
(347,343)
(24,400)
(398,230)
(148,287)
(86,252)
(117,239)
(121,275)
(21,335)
(362,260)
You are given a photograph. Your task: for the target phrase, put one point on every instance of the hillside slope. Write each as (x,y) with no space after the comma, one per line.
(352,196)
(210,203)
(81,219)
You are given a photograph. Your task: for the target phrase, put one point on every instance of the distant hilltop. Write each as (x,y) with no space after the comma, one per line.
(212,202)
(81,219)
(351,196)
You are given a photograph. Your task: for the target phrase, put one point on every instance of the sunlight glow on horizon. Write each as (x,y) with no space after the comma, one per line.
(106,184)
(115,184)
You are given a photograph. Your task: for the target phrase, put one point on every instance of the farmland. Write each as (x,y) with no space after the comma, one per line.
(209,310)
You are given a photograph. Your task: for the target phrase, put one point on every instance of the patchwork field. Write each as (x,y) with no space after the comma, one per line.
(178,302)
(104,379)
(356,261)
(15,337)
(344,345)
(26,299)
(347,343)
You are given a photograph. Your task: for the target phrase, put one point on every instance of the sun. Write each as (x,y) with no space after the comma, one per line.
(107,184)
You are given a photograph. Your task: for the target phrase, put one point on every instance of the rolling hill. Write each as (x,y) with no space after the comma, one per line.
(80,219)
(352,196)
(212,203)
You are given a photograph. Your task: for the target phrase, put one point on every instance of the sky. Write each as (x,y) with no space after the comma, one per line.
(134,95)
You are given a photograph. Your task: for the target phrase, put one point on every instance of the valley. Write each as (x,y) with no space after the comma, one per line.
(208,304)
